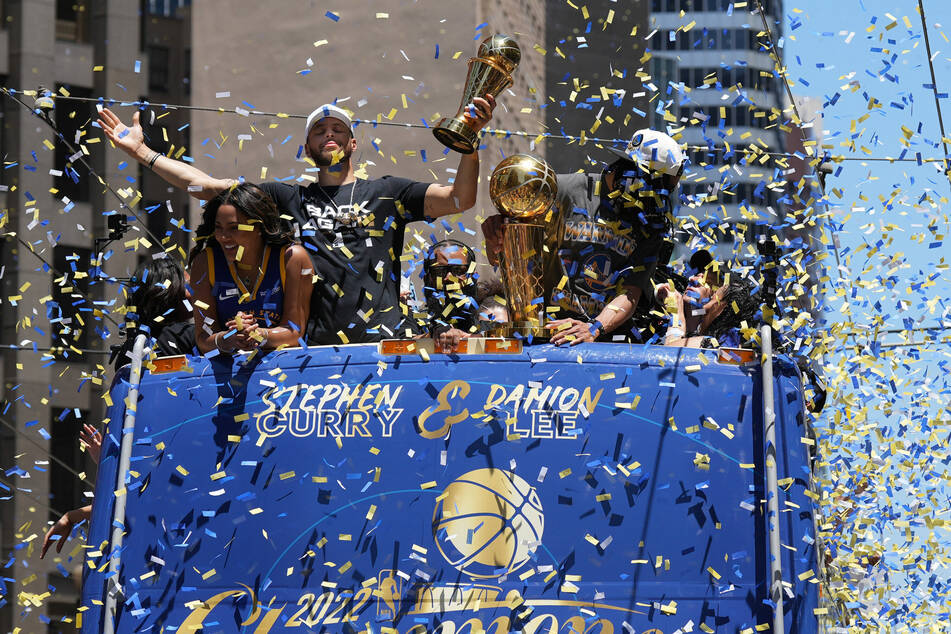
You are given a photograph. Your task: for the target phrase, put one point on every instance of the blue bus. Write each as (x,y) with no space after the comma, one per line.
(385,488)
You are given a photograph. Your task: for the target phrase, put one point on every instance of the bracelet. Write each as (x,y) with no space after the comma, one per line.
(215,340)
(153,159)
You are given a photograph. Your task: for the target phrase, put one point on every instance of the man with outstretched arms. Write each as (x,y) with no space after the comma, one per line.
(352,228)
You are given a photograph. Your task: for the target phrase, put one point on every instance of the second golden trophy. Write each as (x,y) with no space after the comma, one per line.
(523,187)
(489,74)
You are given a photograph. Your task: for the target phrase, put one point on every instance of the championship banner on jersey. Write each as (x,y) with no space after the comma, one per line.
(603,489)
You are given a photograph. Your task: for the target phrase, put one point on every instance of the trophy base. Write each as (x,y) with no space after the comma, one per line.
(456,135)
(523,329)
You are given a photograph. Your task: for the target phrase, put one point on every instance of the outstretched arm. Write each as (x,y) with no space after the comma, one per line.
(575,331)
(61,530)
(179,174)
(442,200)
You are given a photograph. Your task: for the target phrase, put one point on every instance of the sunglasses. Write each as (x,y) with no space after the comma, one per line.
(442,270)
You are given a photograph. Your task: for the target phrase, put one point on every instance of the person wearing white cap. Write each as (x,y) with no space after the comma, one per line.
(609,230)
(352,228)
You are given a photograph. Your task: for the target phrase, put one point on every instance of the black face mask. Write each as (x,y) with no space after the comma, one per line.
(438,297)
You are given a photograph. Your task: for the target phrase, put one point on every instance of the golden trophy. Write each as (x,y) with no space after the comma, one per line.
(489,74)
(523,187)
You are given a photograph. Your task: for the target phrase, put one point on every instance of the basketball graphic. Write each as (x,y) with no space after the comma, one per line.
(488,522)
(600,266)
(523,186)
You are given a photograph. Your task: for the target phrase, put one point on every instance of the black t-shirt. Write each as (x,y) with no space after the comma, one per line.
(601,250)
(169,340)
(354,235)
(176,338)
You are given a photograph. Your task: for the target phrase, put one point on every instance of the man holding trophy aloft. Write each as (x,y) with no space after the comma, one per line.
(601,240)
(353,228)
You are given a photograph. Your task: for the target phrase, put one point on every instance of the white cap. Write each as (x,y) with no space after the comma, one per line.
(324,111)
(654,152)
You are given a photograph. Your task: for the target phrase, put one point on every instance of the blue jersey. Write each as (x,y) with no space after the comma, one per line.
(265,301)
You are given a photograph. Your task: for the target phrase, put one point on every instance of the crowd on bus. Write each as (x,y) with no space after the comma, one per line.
(332,273)
(281,264)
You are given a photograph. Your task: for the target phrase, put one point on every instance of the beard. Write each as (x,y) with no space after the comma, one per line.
(329,158)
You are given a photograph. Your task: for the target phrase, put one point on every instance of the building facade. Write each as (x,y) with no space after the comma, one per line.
(723,99)
(753,153)
(59,316)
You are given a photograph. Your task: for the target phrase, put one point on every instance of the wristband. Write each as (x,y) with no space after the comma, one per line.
(597,325)
(263,341)
(153,159)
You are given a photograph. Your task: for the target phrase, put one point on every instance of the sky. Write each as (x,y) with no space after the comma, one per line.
(885,427)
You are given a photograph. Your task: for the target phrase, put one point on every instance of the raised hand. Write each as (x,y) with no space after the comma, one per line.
(61,530)
(130,140)
(479,112)
(90,438)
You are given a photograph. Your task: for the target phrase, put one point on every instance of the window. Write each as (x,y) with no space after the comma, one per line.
(158,68)
(3,128)
(683,75)
(157,218)
(153,131)
(726,39)
(72,20)
(66,490)
(727,77)
(70,313)
(166,8)
(187,71)
(753,42)
(724,233)
(71,118)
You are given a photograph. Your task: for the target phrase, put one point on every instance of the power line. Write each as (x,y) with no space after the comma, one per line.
(74,153)
(54,349)
(774,53)
(915,344)
(53,269)
(20,491)
(893,331)
(934,86)
(10,93)
(836,158)
(45,450)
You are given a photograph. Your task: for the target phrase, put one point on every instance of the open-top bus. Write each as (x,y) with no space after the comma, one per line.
(381,488)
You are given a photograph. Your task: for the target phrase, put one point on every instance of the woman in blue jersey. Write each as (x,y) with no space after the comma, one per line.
(251,285)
